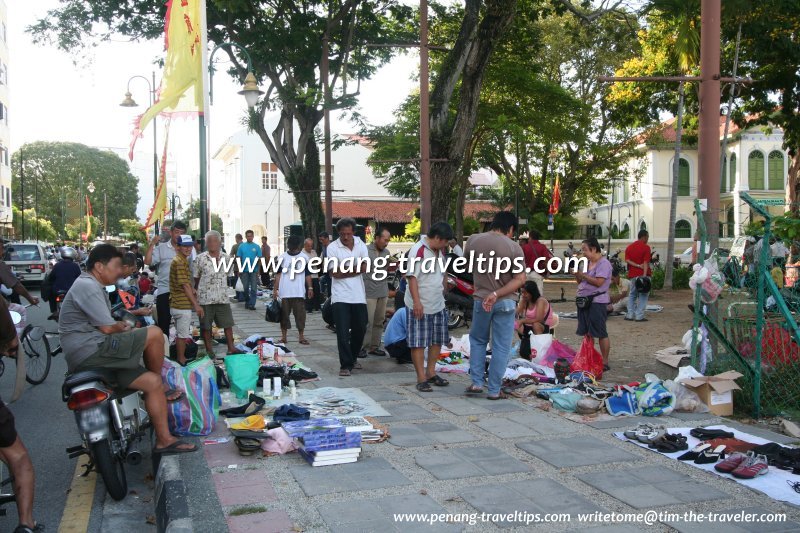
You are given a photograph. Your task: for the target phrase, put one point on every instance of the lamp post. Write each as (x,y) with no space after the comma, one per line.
(91,189)
(251,93)
(130,102)
(172,199)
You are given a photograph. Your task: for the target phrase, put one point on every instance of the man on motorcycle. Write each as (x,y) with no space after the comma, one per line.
(63,276)
(92,338)
(12,450)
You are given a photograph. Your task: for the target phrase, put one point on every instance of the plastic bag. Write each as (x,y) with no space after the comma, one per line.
(686,400)
(196,413)
(540,344)
(588,359)
(242,370)
(273,313)
(239,285)
(566,400)
(557,349)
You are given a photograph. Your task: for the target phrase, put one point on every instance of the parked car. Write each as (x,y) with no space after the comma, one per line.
(685,259)
(28,259)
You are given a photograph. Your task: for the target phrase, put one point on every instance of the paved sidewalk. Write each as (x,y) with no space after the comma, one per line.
(452,454)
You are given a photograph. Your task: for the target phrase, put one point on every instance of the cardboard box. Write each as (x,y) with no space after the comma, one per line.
(716,391)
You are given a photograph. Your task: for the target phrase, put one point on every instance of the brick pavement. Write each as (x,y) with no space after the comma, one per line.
(451,454)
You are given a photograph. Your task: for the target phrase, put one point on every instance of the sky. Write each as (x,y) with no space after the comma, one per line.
(54,99)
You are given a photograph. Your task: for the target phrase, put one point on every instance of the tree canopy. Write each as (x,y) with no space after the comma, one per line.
(193,211)
(52,174)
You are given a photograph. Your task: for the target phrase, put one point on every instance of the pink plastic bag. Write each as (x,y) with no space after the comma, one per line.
(557,349)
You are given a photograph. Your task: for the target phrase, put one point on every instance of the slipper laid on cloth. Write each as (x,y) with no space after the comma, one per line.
(174,448)
(708,434)
(172,392)
(247,446)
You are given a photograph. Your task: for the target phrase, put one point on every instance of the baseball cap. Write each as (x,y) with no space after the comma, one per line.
(185,240)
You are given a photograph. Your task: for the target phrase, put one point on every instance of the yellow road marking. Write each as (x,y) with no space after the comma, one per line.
(78,509)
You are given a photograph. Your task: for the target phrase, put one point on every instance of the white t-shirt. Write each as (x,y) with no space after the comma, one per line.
(348,290)
(293,284)
(430,281)
(779,249)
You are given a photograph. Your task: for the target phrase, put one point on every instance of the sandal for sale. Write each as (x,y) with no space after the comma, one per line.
(709,456)
(708,434)
(438,381)
(670,443)
(424,386)
(247,446)
(631,433)
(648,436)
(694,453)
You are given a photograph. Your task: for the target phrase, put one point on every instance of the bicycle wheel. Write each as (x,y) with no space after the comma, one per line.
(37,350)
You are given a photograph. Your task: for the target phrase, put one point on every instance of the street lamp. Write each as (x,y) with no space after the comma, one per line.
(130,102)
(172,205)
(251,92)
(91,189)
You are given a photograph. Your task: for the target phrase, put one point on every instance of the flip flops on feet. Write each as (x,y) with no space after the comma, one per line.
(438,381)
(344,372)
(473,389)
(179,446)
(424,386)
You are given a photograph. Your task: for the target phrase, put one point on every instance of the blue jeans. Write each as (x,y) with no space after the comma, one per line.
(500,322)
(637,302)
(249,283)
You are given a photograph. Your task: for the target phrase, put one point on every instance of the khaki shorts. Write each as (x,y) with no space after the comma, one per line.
(183,322)
(219,314)
(121,353)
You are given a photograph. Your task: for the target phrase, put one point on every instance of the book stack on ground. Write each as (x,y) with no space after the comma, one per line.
(324,441)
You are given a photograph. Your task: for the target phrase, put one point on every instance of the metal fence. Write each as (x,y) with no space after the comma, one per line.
(751,328)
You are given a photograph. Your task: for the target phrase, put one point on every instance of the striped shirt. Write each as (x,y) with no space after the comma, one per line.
(179,276)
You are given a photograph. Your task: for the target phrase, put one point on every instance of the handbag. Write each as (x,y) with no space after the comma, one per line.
(584,302)
(273,312)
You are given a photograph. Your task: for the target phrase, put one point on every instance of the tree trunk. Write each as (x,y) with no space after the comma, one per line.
(459,214)
(466,61)
(793,183)
(673,200)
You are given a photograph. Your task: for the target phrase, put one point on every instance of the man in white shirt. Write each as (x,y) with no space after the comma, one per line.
(427,319)
(455,248)
(348,299)
(159,256)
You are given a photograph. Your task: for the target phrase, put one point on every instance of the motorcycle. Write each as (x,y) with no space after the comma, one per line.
(458,300)
(110,425)
(617,263)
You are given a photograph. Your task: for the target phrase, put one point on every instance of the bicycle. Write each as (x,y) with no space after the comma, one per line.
(34,343)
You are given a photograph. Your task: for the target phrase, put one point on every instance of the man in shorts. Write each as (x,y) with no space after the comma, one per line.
(427,317)
(211,281)
(182,297)
(12,450)
(92,339)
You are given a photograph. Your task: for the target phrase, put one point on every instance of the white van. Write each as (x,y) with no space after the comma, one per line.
(28,260)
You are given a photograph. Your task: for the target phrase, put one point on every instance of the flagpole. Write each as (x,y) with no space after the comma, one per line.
(204,125)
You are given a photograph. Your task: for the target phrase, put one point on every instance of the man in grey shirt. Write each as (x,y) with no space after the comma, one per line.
(377,291)
(159,256)
(92,339)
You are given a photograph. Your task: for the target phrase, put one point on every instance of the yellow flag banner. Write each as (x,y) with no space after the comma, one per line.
(181,90)
(156,213)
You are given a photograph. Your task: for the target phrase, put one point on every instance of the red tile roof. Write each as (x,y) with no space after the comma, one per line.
(665,132)
(401,211)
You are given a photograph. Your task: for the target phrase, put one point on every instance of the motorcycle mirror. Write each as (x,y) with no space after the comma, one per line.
(16,317)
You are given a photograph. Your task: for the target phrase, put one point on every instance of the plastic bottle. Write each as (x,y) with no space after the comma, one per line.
(292,390)
(265,385)
(276,386)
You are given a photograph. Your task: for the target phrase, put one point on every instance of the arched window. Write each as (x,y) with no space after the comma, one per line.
(683,229)
(723,181)
(755,170)
(684,181)
(626,232)
(642,226)
(733,171)
(775,170)
(614,231)
(730,223)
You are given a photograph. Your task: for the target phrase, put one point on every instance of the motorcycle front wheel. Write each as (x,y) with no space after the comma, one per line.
(111,469)
(455,317)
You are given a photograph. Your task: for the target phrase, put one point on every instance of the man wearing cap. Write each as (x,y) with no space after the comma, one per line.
(182,296)
(159,256)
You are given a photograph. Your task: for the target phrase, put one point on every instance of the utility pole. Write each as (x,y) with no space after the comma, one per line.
(424,121)
(22,189)
(324,68)
(105,216)
(708,148)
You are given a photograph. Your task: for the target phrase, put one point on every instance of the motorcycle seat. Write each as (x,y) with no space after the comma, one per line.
(85,376)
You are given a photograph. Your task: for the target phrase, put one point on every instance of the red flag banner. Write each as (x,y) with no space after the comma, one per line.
(555,203)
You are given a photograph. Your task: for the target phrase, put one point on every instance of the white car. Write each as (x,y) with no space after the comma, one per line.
(684,259)
(28,260)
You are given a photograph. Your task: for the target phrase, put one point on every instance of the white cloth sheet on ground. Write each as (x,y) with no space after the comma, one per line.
(773,483)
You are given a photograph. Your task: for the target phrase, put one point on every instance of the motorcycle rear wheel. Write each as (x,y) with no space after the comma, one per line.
(111,469)
(455,317)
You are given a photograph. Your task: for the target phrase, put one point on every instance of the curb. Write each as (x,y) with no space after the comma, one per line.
(171,504)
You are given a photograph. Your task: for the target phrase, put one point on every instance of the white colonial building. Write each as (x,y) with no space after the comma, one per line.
(6,217)
(755,162)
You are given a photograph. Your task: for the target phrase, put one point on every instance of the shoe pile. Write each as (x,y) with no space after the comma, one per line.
(744,465)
